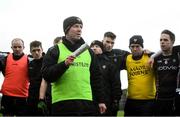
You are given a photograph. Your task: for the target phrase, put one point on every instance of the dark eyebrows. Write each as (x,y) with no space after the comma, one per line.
(17,46)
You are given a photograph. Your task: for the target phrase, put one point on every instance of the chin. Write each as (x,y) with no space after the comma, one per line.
(163,49)
(136,54)
(78,37)
(109,50)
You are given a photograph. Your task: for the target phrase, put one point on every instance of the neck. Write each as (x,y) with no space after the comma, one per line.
(137,57)
(70,39)
(167,52)
(17,57)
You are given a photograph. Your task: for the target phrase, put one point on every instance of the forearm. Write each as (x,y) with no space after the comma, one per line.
(156,54)
(116,87)
(97,85)
(42,90)
(53,72)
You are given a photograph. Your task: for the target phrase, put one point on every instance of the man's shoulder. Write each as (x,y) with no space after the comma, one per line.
(52,48)
(119,51)
(176,49)
(30,58)
(3,54)
(159,57)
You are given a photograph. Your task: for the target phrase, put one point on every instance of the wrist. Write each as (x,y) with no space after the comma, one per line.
(43,100)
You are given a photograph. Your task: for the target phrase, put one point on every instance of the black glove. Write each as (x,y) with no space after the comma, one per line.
(42,107)
(1,109)
(115,105)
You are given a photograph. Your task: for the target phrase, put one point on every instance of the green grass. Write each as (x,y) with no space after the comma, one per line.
(120,114)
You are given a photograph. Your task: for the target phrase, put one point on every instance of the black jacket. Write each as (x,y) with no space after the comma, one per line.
(3,58)
(35,78)
(166,69)
(117,57)
(111,82)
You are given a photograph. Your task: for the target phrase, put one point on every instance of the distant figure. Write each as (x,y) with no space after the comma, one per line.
(57,40)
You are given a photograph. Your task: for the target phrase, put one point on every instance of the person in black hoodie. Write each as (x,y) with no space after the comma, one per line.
(112,86)
(115,56)
(35,76)
(71,76)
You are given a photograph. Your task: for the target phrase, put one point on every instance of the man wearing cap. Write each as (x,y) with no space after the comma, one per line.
(73,78)
(141,80)
(111,83)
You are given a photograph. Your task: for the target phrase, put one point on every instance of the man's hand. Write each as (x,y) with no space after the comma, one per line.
(151,62)
(146,51)
(102,108)
(69,60)
(115,105)
(43,107)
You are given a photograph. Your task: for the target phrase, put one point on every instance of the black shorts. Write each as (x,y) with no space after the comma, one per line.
(139,107)
(14,106)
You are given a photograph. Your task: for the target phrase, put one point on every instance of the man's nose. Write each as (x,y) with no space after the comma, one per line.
(17,48)
(36,52)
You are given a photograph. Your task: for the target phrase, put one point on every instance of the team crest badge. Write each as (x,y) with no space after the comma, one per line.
(79,19)
(104,66)
(135,40)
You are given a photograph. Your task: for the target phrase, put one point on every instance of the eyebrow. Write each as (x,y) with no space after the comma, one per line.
(35,50)
(17,46)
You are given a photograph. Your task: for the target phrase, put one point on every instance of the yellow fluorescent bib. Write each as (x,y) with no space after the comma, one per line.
(141,79)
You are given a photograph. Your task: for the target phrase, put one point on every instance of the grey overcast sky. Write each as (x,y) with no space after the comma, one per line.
(42,20)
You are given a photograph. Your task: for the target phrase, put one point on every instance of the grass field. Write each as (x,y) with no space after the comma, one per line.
(120,114)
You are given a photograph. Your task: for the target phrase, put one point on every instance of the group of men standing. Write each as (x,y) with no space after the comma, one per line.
(22,79)
(89,84)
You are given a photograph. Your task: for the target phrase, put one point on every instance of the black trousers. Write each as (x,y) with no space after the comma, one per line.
(164,107)
(14,106)
(138,107)
(177,105)
(74,108)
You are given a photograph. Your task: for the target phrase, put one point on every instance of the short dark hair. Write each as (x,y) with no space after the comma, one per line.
(57,39)
(97,42)
(110,34)
(35,44)
(171,34)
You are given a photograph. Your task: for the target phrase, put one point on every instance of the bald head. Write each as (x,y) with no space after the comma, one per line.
(17,46)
